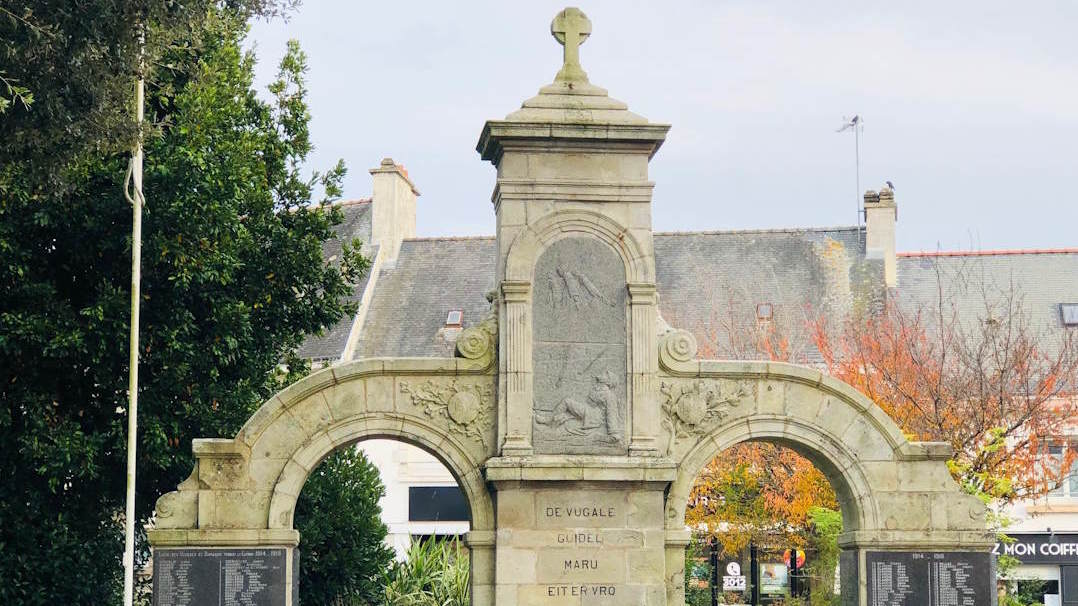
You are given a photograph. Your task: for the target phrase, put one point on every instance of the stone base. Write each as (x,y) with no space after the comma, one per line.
(576,530)
(593,542)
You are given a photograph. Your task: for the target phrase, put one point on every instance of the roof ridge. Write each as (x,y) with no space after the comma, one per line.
(352,202)
(991,253)
(778,230)
(672,233)
(448,238)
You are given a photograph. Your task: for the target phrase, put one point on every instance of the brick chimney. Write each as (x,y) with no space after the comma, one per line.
(881,214)
(393,207)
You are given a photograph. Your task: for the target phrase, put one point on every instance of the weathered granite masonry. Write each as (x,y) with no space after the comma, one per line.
(574,419)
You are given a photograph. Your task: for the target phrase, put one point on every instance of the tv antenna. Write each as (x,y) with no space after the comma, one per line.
(857,125)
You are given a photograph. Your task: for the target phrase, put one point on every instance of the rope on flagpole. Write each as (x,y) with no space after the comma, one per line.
(132,190)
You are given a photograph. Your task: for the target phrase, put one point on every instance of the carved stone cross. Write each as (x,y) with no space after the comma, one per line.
(570,28)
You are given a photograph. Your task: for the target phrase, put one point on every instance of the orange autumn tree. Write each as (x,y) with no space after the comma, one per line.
(972,369)
(756,492)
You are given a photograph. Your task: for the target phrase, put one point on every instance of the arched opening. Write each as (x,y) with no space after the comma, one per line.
(388,506)
(422,499)
(817,424)
(764,517)
(446,450)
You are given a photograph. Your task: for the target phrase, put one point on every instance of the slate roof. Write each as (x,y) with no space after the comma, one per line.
(711,283)
(699,273)
(430,277)
(1043,279)
(356,224)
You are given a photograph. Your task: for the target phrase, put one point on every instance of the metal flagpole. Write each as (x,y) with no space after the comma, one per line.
(857,159)
(855,123)
(135,197)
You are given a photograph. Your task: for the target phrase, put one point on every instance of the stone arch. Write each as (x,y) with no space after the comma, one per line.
(243,490)
(894,494)
(536,237)
(332,409)
(445,448)
(830,456)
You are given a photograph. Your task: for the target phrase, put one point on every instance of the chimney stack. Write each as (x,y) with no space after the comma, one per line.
(393,207)
(881,214)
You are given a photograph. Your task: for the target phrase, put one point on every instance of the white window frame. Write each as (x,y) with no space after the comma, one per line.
(1068,490)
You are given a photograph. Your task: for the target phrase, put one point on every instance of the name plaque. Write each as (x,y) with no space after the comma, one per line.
(930,578)
(583,569)
(222,577)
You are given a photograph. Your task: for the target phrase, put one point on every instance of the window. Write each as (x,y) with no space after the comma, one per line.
(1069,311)
(437,504)
(455,317)
(764,312)
(1058,451)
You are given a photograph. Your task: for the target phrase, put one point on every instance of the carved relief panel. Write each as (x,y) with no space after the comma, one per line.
(579,349)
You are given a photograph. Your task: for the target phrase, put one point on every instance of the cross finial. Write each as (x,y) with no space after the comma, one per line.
(570,28)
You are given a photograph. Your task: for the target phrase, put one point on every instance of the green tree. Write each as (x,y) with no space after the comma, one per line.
(336,567)
(77,61)
(233,278)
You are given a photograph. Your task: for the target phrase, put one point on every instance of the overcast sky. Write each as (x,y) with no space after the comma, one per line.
(970,108)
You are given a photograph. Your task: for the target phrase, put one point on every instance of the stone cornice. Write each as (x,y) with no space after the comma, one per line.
(516,291)
(553,468)
(496,131)
(264,537)
(572,190)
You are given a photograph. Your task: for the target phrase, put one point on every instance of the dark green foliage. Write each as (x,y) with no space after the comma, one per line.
(77,60)
(233,278)
(342,567)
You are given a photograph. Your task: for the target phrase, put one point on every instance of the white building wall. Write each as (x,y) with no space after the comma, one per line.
(402,466)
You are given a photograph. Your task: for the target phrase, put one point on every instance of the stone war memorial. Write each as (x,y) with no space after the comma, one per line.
(574,419)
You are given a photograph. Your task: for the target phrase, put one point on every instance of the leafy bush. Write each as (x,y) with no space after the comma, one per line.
(436,573)
(826,526)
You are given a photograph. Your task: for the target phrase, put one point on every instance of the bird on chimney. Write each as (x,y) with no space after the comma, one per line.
(890,186)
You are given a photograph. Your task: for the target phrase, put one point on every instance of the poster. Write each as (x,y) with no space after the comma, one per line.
(774,577)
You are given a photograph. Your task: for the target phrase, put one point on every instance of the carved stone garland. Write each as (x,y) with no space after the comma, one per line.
(691,409)
(468,408)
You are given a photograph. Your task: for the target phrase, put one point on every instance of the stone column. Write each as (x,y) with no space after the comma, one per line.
(517,333)
(481,554)
(677,541)
(644,409)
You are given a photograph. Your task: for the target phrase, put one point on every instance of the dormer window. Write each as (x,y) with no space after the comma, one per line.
(454,319)
(1069,313)
(764,312)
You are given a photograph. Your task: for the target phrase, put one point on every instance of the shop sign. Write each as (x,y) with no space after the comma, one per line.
(1041,548)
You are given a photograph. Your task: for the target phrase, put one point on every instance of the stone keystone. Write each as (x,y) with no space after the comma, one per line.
(570,28)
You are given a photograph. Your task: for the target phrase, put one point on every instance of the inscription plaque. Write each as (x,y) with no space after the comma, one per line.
(932,578)
(222,577)
(579,563)
(579,326)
